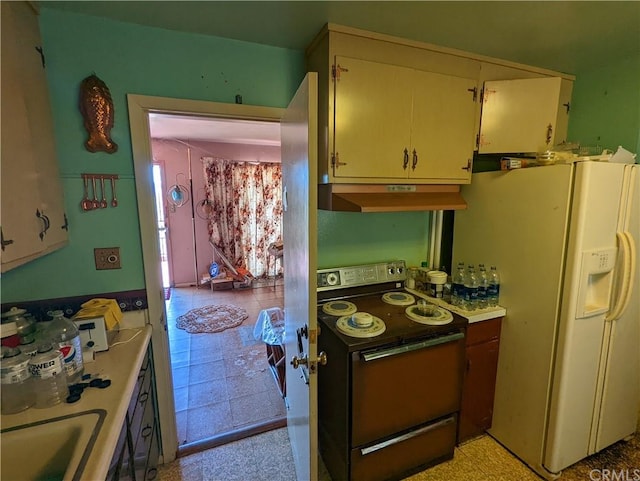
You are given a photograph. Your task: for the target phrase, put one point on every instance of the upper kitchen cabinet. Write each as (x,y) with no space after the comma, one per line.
(392,111)
(524,115)
(33,222)
(394,122)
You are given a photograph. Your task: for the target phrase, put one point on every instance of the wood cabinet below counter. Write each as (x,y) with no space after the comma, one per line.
(137,452)
(478,388)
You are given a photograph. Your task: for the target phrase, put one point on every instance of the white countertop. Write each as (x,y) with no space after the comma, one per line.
(121,364)
(472,316)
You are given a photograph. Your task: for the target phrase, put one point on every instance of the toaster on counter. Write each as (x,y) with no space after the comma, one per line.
(94,334)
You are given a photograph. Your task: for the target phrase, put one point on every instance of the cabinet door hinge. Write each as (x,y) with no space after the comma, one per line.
(4,243)
(65,226)
(477,141)
(482,95)
(335,161)
(336,70)
(475,93)
(41,52)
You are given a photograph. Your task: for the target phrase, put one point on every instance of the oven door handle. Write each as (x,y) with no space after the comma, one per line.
(392,351)
(404,437)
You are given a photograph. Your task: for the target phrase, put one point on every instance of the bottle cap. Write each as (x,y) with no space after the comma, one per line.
(14,311)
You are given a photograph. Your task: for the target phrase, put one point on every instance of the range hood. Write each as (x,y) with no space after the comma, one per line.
(389,198)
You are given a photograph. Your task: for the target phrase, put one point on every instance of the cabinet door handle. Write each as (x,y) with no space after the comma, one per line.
(151,474)
(46,223)
(146,431)
(4,243)
(415,160)
(407,436)
(405,160)
(549,133)
(65,226)
(143,398)
(468,167)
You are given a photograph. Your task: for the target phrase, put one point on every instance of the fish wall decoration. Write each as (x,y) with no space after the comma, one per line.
(96,107)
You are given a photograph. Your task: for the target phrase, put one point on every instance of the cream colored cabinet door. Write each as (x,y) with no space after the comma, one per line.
(442,129)
(372,125)
(524,115)
(36,97)
(33,221)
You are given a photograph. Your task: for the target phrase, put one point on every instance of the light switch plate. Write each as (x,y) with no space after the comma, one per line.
(107,258)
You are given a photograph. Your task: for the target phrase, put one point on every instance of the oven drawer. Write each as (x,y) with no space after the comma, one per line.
(405,454)
(399,387)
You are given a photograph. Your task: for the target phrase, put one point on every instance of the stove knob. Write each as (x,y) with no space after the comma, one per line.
(332,279)
(392,270)
(399,269)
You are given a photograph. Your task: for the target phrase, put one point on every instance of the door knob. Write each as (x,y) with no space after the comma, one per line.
(322,358)
(296,361)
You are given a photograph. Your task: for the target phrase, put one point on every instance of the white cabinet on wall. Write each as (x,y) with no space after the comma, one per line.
(394,122)
(524,115)
(33,222)
(380,95)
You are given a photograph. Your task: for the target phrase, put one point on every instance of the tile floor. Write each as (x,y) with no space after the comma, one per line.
(222,381)
(267,457)
(214,393)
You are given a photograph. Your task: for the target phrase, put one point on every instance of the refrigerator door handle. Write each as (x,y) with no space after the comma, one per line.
(628,250)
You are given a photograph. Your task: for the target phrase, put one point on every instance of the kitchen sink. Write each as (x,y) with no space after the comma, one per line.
(51,450)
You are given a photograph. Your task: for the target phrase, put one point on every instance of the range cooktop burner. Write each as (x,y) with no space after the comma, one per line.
(339,308)
(346,325)
(439,317)
(398,298)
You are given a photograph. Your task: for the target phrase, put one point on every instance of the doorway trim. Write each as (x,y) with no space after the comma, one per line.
(140,106)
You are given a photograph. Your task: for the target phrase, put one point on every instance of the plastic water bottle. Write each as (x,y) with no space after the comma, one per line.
(483,288)
(65,337)
(457,286)
(470,289)
(49,378)
(17,392)
(493,291)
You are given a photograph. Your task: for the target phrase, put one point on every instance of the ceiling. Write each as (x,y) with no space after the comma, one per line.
(567,36)
(247,132)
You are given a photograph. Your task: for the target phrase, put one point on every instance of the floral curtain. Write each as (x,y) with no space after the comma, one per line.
(247,210)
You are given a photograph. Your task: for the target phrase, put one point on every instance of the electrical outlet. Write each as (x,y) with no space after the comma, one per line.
(107,257)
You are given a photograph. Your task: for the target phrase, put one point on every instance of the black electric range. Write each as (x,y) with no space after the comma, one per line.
(365,287)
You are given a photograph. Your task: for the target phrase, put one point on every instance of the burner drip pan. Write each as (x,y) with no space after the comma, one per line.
(346,326)
(440,316)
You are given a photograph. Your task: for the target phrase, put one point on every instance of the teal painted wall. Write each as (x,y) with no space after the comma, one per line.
(150,61)
(348,238)
(605,106)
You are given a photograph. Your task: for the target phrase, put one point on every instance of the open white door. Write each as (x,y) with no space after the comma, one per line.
(299,175)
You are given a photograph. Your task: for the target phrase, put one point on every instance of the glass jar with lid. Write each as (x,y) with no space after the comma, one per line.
(24,324)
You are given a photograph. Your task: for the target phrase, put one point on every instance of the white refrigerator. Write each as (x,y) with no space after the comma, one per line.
(564,239)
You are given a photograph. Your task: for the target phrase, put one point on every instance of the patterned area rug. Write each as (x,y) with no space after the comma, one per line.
(213,318)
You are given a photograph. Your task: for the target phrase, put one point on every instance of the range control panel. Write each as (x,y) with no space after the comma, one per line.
(340,277)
